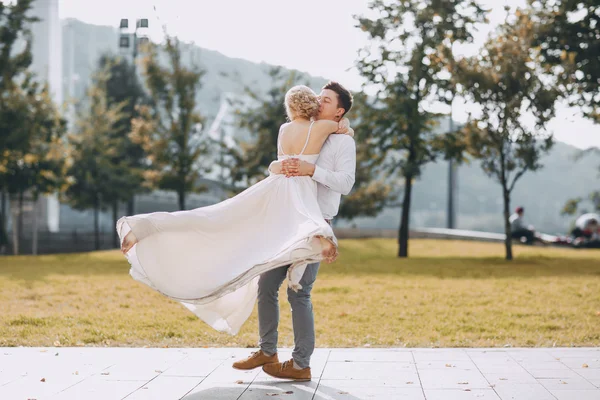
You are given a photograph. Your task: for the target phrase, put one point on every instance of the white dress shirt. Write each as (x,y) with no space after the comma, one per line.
(334,172)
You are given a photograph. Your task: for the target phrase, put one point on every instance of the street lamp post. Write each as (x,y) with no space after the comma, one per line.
(130,42)
(451,211)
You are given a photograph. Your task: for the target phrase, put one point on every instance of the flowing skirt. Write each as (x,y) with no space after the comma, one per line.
(210,258)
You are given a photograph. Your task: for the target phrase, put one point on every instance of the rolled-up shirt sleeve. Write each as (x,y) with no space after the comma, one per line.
(341,178)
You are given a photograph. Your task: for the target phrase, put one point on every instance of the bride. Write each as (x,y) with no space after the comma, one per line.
(210,258)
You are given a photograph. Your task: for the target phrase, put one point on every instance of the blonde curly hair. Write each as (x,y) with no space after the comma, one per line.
(301,102)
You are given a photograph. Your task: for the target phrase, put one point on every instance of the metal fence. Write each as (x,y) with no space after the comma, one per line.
(63,242)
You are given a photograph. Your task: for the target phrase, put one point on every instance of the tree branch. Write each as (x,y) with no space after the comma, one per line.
(517,176)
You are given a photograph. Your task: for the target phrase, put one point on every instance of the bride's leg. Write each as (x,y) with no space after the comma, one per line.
(128,242)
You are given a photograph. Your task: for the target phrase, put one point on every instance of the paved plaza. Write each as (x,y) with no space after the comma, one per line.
(206,373)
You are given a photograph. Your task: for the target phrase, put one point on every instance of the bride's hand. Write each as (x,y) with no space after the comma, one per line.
(128,242)
(344,127)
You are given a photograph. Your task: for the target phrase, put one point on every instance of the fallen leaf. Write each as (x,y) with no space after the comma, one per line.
(563,383)
(43,351)
(409,383)
(158,371)
(503,379)
(450,365)
(239,382)
(467,390)
(43,380)
(76,373)
(343,393)
(585,366)
(105,373)
(463,383)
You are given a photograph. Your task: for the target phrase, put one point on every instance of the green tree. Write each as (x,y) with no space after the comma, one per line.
(505,82)
(38,167)
(568,36)
(261,114)
(372,190)
(405,64)
(95,179)
(124,90)
(170,128)
(14,29)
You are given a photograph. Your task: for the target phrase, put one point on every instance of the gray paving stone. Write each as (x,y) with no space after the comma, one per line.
(447,355)
(437,364)
(589,373)
(194,374)
(166,388)
(552,373)
(582,362)
(369,355)
(370,370)
(216,391)
(452,379)
(575,394)
(364,389)
(509,377)
(281,390)
(193,367)
(97,389)
(523,392)
(567,384)
(458,394)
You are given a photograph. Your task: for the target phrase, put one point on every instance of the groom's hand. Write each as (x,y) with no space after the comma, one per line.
(296,167)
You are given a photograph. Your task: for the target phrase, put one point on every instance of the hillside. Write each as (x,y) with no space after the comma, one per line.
(479,198)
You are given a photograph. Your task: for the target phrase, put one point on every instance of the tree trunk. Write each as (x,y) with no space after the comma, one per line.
(34,245)
(115,212)
(181,197)
(15,226)
(508,239)
(96,226)
(131,206)
(15,233)
(404,220)
(20,220)
(3,220)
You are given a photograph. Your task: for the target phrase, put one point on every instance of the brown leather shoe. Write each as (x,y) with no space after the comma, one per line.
(286,370)
(256,359)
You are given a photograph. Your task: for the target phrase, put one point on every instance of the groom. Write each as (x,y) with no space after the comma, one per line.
(334,173)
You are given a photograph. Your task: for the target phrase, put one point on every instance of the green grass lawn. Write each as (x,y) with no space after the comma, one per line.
(448,294)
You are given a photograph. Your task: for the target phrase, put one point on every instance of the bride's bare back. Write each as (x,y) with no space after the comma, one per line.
(293,136)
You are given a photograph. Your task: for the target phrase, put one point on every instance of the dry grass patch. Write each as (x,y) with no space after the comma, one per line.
(448,294)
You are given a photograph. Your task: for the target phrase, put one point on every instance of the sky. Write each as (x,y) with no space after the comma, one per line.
(316,36)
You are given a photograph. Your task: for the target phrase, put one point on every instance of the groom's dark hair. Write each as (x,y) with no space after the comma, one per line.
(344,95)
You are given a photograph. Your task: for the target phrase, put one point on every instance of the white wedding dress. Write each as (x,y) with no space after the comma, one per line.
(210,258)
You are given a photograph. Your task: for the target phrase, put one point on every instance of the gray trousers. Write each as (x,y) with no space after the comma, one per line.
(302,313)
